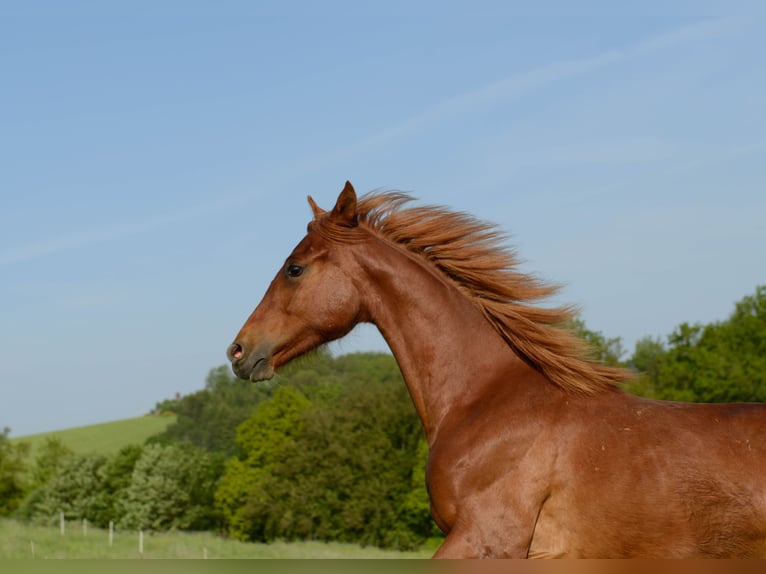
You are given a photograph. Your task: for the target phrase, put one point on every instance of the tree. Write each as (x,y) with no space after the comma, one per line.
(349,466)
(264,440)
(171,487)
(374,435)
(647,356)
(415,511)
(209,418)
(52,456)
(646,359)
(12,471)
(608,351)
(116,476)
(719,362)
(76,489)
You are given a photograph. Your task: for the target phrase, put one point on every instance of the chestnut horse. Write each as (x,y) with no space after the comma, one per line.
(534,451)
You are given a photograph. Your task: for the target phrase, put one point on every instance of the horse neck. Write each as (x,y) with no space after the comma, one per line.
(449,354)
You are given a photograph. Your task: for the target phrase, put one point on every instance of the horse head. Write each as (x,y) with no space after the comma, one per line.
(313,299)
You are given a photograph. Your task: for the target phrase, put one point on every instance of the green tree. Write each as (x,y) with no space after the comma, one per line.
(12,473)
(646,359)
(52,456)
(648,354)
(209,418)
(415,510)
(76,489)
(360,460)
(349,466)
(264,440)
(678,372)
(116,476)
(719,362)
(171,487)
(607,350)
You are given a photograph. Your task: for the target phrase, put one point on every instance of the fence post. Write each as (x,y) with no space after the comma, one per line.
(111,533)
(141,543)
(32,545)
(84,527)
(62,523)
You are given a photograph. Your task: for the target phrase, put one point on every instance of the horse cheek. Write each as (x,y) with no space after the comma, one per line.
(338,309)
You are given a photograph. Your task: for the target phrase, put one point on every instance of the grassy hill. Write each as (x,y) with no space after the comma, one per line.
(106,438)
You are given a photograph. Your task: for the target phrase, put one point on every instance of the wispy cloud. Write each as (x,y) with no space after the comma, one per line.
(521,84)
(482,98)
(711,157)
(83,238)
(74,240)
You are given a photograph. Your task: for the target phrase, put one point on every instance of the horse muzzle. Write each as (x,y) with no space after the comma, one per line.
(254,365)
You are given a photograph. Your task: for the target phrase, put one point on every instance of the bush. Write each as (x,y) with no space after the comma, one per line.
(171,487)
(76,489)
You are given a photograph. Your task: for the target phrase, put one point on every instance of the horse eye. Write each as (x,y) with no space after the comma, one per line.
(294,270)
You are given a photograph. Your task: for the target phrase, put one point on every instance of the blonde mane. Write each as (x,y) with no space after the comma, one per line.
(474,255)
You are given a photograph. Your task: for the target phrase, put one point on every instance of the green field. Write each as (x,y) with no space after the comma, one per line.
(106,438)
(19,540)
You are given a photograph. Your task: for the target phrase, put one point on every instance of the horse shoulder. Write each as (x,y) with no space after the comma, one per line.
(495,451)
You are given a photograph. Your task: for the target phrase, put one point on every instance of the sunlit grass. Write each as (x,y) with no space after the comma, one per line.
(106,438)
(18,540)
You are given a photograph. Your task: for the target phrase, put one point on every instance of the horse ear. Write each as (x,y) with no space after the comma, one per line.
(345,208)
(318,211)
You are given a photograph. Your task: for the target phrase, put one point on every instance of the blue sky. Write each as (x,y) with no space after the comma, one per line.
(156,157)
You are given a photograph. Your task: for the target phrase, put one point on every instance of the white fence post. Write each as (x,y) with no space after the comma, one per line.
(62,523)
(141,543)
(111,533)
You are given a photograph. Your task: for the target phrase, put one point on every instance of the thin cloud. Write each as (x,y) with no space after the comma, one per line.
(519,85)
(71,241)
(79,239)
(485,97)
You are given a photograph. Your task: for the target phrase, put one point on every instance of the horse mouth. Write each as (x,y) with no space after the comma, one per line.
(261,371)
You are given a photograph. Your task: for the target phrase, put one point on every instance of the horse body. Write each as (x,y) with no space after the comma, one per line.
(533,451)
(607,476)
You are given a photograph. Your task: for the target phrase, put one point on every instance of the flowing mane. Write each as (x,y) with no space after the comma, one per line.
(474,255)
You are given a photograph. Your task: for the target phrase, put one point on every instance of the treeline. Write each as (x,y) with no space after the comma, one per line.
(332,449)
(718,362)
(721,362)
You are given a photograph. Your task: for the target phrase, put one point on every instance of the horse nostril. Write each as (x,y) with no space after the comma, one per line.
(234,352)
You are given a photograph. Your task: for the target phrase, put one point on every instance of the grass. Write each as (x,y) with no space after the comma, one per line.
(106,438)
(19,540)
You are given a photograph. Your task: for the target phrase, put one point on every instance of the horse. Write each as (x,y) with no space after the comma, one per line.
(534,450)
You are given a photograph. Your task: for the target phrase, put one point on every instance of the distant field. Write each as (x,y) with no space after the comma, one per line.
(106,438)
(19,540)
